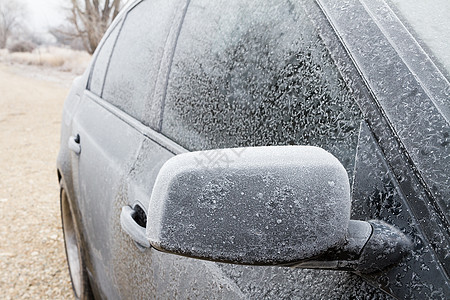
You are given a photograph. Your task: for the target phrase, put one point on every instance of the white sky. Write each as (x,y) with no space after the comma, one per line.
(44,14)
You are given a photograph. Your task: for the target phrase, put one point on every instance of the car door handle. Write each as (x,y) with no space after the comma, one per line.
(132,228)
(74,144)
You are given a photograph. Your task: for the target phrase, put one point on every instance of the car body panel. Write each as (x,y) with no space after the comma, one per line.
(109,147)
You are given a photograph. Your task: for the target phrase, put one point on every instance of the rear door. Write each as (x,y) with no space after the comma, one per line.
(107,127)
(108,149)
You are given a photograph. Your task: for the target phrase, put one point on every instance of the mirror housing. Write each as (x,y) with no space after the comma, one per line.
(262,205)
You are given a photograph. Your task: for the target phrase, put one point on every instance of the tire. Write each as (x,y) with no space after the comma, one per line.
(74,255)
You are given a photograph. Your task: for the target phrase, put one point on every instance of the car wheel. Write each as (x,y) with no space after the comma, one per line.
(72,241)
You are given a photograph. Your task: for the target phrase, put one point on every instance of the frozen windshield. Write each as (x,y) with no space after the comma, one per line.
(429,22)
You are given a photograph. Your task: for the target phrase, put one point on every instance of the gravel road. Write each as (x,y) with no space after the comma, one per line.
(32,258)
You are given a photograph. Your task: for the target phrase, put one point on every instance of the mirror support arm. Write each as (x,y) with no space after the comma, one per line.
(370,246)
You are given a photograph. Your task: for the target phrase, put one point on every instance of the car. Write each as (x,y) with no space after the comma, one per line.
(261,150)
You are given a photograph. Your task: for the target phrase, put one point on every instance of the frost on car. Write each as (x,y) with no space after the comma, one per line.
(194,154)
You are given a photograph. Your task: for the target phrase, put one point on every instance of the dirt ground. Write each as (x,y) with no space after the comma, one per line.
(32,257)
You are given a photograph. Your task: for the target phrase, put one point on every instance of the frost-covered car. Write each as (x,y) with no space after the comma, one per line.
(261,149)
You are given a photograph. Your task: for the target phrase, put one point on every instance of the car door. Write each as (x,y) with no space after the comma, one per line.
(92,145)
(106,126)
(108,148)
(258,74)
(243,74)
(276,73)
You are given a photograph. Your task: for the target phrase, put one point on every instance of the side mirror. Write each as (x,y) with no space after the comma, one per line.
(283,205)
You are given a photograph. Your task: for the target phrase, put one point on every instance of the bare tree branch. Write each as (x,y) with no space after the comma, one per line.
(11,12)
(91,18)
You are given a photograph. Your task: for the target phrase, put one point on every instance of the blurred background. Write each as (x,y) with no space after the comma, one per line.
(44,45)
(54,33)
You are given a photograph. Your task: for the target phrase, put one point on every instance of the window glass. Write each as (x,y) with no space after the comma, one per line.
(256,74)
(135,62)
(101,62)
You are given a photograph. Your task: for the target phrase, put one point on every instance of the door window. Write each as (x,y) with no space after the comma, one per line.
(135,62)
(101,62)
(257,74)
